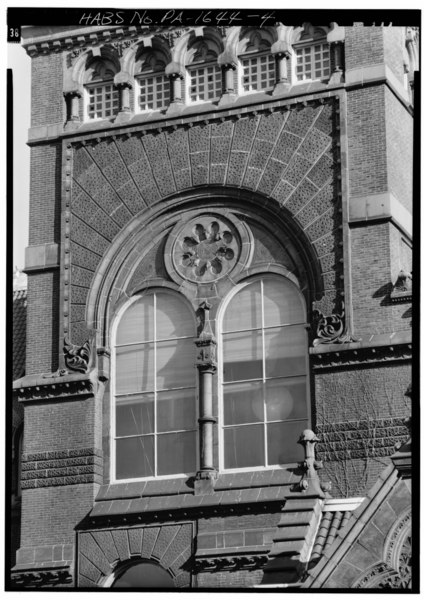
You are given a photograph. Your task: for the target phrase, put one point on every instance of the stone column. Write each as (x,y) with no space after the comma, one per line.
(335,39)
(124,96)
(72,99)
(175,80)
(206,365)
(281,72)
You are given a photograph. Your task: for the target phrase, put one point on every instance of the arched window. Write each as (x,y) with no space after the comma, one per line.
(144,574)
(312,55)
(264,374)
(155,416)
(102,96)
(257,62)
(154,86)
(205,75)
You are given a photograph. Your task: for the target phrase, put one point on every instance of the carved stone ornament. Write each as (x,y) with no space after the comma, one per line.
(78,358)
(206,249)
(332,329)
(42,578)
(402,288)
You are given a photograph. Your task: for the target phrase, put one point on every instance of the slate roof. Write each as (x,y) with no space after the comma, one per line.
(19,332)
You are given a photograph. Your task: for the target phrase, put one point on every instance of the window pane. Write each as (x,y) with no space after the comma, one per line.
(134,457)
(175,364)
(285,399)
(136,324)
(282,442)
(244,446)
(176,410)
(243,403)
(135,415)
(173,317)
(285,351)
(282,303)
(176,453)
(134,369)
(244,309)
(242,356)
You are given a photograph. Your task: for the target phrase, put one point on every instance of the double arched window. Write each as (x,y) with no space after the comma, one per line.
(262,376)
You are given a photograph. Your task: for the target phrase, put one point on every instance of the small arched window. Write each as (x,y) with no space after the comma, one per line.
(312,55)
(154,86)
(102,96)
(146,574)
(204,73)
(155,416)
(264,375)
(257,62)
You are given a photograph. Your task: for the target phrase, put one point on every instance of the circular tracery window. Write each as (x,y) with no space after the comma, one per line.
(207,247)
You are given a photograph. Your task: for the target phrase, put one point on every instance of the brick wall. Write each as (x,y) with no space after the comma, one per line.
(363,46)
(42,322)
(47,102)
(399,128)
(393,43)
(375,265)
(45,194)
(366,134)
(49,515)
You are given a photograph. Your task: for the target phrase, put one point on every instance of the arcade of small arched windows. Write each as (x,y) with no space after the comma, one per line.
(203,65)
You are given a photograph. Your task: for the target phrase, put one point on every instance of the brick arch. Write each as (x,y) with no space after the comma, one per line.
(148,228)
(102,554)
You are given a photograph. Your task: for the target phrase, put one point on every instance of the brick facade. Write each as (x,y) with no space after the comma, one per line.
(317,178)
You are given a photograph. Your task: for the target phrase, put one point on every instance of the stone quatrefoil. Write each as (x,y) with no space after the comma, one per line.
(210,250)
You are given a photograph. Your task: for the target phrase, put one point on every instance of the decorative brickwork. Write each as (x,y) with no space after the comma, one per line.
(46,469)
(102,552)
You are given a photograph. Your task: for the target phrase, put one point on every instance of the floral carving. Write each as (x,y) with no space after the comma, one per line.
(331,329)
(206,250)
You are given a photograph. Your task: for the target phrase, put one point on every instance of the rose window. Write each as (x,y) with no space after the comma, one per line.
(206,249)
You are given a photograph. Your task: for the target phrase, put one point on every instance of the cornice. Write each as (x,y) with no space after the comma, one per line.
(30,578)
(55,386)
(344,355)
(89,37)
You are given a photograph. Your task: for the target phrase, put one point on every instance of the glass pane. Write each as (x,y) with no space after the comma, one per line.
(244,447)
(135,415)
(134,457)
(285,351)
(134,369)
(175,364)
(136,324)
(282,442)
(286,399)
(244,309)
(282,303)
(173,317)
(242,356)
(176,410)
(243,403)
(176,453)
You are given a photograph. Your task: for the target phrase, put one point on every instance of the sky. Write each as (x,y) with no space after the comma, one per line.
(20,63)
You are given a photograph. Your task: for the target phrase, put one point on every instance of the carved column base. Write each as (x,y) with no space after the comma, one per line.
(124,116)
(204,482)
(281,88)
(175,108)
(227,98)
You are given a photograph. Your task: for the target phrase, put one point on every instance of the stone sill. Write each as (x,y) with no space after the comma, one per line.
(170,487)
(212,552)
